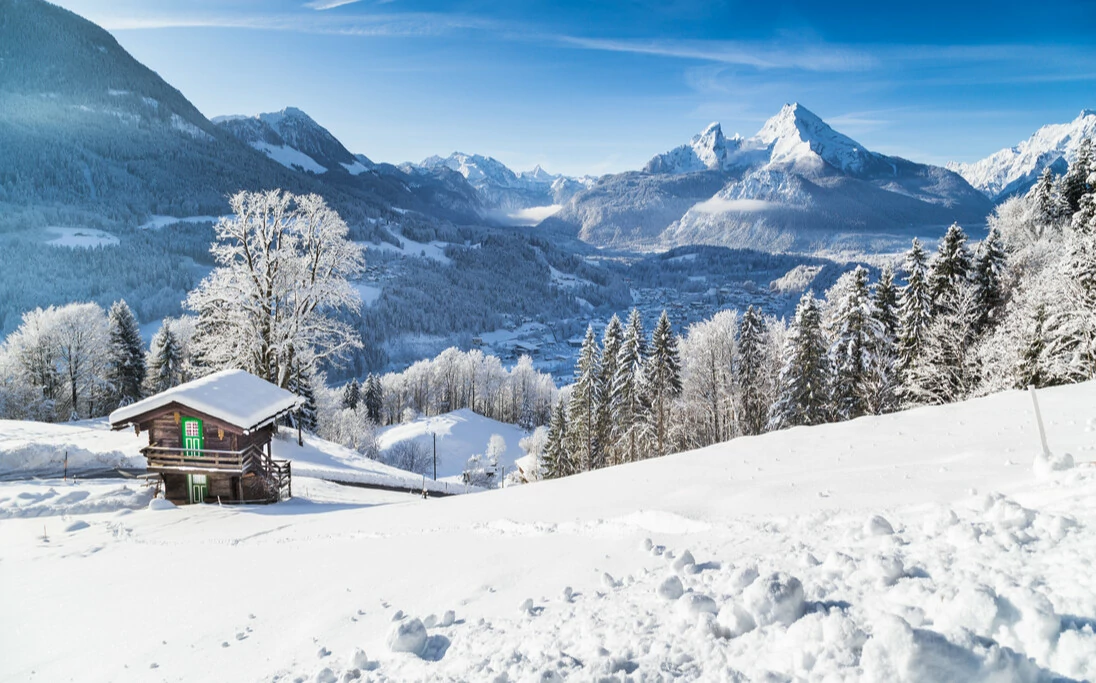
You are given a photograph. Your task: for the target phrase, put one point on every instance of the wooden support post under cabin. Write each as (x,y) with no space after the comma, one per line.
(300,439)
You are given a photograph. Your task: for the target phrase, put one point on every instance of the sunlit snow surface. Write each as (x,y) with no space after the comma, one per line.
(913,547)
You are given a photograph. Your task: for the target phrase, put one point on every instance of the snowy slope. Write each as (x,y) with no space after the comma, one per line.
(1014,169)
(911,547)
(460,435)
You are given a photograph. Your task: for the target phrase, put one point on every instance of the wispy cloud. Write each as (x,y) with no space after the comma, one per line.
(806,57)
(328,4)
(383,24)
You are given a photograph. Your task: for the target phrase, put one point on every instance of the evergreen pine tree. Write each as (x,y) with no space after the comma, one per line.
(352,394)
(611,342)
(857,339)
(165,365)
(749,372)
(802,397)
(300,383)
(126,363)
(584,406)
(951,267)
(1076,182)
(557,462)
(374,399)
(628,391)
(944,370)
(885,296)
(1046,200)
(989,265)
(1032,370)
(663,375)
(914,310)
(1084,220)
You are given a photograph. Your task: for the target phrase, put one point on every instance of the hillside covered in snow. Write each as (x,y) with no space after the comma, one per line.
(917,546)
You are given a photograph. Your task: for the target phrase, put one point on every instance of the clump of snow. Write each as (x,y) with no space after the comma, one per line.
(408,635)
(774,599)
(684,563)
(691,605)
(358,659)
(447,619)
(1046,464)
(734,620)
(160,504)
(877,525)
(671,588)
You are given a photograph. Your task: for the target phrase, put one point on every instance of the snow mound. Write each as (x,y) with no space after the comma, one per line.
(408,635)
(1046,464)
(775,599)
(160,504)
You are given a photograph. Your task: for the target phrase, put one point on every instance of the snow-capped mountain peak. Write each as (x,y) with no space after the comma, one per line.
(797,136)
(293,139)
(1014,169)
(708,150)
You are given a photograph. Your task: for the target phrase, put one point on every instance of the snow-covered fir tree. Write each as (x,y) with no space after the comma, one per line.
(352,394)
(126,363)
(986,275)
(373,399)
(950,268)
(857,340)
(802,394)
(946,369)
(582,411)
(1031,370)
(628,407)
(663,381)
(301,381)
(750,373)
(1049,208)
(885,297)
(611,341)
(557,461)
(914,309)
(1075,183)
(165,360)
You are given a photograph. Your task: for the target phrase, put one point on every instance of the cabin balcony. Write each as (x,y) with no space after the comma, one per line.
(173,459)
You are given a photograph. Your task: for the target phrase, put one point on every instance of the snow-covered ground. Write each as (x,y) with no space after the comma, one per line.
(431,250)
(912,547)
(80,238)
(460,435)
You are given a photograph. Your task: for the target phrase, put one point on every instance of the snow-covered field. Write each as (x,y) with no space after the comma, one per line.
(912,547)
(460,435)
(80,238)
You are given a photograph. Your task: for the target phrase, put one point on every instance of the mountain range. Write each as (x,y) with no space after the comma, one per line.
(1013,170)
(796,185)
(99,139)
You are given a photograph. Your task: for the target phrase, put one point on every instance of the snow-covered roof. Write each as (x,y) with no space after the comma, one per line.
(235,396)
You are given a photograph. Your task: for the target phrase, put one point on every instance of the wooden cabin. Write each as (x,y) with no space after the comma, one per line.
(210,439)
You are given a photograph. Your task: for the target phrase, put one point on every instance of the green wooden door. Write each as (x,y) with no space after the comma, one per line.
(197,486)
(193,444)
(193,437)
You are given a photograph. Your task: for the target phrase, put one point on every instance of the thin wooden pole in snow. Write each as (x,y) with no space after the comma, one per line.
(1039,421)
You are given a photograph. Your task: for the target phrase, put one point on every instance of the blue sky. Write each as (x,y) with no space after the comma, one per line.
(596,87)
